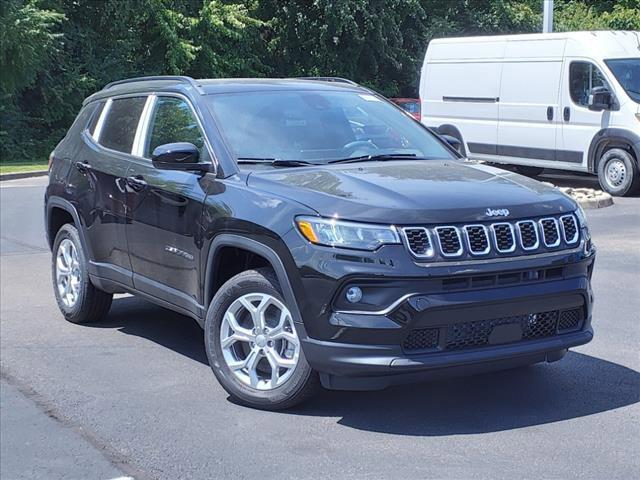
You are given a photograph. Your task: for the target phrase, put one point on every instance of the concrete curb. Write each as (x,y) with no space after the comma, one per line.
(16,176)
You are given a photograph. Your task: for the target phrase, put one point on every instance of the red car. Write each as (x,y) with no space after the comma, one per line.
(411,105)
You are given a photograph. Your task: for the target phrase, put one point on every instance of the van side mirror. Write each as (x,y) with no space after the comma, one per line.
(600,98)
(453,141)
(178,156)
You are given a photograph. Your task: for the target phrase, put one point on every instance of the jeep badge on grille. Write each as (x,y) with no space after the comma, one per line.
(498,212)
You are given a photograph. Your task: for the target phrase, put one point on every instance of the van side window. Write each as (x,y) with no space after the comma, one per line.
(583,76)
(120,126)
(173,121)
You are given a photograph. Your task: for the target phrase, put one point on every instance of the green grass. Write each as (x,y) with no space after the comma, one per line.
(22,166)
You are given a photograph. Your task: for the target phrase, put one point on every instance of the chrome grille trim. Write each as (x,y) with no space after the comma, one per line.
(544,235)
(457,232)
(466,229)
(535,229)
(495,237)
(575,237)
(430,251)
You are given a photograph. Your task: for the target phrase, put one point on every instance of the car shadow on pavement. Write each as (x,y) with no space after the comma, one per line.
(577,386)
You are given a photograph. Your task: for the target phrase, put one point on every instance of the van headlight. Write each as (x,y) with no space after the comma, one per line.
(337,233)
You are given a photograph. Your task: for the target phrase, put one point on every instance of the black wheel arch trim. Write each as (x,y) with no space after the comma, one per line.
(615,136)
(66,205)
(259,248)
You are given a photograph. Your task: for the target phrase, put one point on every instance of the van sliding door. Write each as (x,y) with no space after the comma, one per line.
(529,113)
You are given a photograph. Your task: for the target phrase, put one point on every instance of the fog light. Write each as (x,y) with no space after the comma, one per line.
(354,294)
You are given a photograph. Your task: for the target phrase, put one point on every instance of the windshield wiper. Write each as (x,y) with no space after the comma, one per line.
(381,157)
(274,162)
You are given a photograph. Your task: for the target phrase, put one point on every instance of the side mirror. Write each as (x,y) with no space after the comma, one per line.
(600,98)
(178,156)
(453,141)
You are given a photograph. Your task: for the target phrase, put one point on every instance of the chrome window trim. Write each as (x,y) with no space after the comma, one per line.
(535,229)
(575,224)
(544,237)
(143,124)
(100,124)
(486,233)
(495,237)
(460,251)
(406,240)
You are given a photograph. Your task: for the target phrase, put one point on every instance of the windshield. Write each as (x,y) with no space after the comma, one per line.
(319,127)
(627,72)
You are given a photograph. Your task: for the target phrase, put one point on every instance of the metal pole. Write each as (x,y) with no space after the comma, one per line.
(547,22)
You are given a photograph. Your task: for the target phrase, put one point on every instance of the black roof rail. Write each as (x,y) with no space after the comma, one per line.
(329,79)
(168,78)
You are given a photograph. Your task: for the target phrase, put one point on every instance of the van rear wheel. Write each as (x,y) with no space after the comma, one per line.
(618,173)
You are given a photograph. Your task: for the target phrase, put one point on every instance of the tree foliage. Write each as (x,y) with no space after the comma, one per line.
(56,52)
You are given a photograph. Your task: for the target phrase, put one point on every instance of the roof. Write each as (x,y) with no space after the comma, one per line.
(210,86)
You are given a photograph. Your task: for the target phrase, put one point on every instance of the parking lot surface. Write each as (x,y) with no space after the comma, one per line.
(134,396)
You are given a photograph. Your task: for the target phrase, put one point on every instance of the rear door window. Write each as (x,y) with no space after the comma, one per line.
(119,129)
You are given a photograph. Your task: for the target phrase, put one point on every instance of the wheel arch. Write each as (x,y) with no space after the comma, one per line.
(255,247)
(608,138)
(449,129)
(55,210)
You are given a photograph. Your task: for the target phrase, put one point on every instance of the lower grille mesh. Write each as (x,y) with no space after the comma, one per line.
(476,334)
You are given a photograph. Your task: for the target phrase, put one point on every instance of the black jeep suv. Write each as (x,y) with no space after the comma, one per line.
(317,233)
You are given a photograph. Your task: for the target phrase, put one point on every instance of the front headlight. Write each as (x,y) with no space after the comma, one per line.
(337,233)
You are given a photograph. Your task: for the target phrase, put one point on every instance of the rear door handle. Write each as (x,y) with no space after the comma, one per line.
(549,113)
(83,167)
(566,114)
(137,183)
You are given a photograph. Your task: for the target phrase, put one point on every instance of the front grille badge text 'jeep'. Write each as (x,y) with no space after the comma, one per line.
(497,212)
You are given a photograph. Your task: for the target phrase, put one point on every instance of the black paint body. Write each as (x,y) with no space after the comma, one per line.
(162,234)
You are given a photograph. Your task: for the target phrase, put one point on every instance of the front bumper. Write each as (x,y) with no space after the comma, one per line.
(364,350)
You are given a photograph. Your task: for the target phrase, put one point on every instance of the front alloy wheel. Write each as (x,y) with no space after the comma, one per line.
(259,341)
(254,345)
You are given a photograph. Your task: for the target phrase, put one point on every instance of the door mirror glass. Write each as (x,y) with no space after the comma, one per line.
(177,156)
(600,98)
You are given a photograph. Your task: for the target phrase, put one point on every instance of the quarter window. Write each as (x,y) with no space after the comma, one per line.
(583,76)
(120,126)
(173,121)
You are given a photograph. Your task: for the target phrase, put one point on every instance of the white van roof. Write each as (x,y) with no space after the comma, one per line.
(601,44)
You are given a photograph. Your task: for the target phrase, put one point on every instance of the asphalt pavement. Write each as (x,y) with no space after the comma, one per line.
(133,396)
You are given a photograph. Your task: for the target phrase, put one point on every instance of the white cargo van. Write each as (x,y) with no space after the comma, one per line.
(558,100)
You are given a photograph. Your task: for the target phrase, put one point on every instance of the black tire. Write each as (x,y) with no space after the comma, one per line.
(303,383)
(618,173)
(92,304)
(529,171)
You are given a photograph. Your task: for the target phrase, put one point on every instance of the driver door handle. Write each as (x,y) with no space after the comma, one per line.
(137,183)
(567,114)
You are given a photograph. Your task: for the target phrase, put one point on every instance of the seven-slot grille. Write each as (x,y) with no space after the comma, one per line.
(499,237)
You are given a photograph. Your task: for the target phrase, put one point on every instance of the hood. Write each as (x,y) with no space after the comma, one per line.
(413,192)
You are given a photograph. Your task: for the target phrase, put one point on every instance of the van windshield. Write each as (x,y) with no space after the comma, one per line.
(627,72)
(319,126)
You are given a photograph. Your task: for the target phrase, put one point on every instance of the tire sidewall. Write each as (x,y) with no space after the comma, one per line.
(248,282)
(74,313)
(632,171)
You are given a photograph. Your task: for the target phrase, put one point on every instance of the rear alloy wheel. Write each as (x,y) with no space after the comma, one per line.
(78,299)
(253,344)
(618,173)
